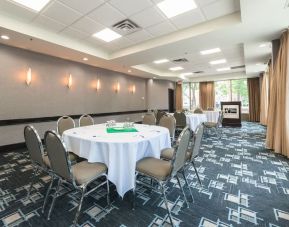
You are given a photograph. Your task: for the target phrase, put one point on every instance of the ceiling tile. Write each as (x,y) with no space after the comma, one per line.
(139,36)
(87,25)
(119,43)
(220,8)
(162,28)
(83,6)
(148,17)
(130,7)
(106,15)
(202,3)
(47,23)
(74,34)
(61,13)
(188,19)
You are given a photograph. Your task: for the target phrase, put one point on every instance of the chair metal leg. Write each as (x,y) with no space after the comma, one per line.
(53,200)
(196,171)
(185,198)
(133,192)
(47,194)
(184,175)
(32,182)
(166,203)
(79,207)
(108,194)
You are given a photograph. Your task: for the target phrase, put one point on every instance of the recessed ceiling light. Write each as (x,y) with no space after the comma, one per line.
(107,35)
(161,61)
(210,51)
(186,74)
(84,59)
(263,45)
(6,37)
(173,8)
(223,69)
(216,62)
(36,5)
(129,71)
(176,68)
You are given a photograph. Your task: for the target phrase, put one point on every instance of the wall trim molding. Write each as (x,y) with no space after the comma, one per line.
(12,147)
(55,118)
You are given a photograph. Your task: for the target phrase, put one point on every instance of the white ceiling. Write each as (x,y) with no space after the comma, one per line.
(64,28)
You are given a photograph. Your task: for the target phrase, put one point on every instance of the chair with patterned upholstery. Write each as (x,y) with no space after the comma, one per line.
(85,120)
(78,176)
(162,171)
(149,119)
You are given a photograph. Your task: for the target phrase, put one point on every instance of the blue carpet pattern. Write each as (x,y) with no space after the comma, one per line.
(244,184)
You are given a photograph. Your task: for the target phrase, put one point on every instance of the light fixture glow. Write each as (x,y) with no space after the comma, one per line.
(186,74)
(117,87)
(6,37)
(263,45)
(223,69)
(36,5)
(216,62)
(161,61)
(177,68)
(172,8)
(97,87)
(28,77)
(129,71)
(107,35)
(85,59)
(210,51)
(132,90)
(69,82)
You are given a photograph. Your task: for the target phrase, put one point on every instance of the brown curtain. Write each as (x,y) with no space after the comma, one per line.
(207,95)
(278,124)
(264,98)
(179,97)
(254,99)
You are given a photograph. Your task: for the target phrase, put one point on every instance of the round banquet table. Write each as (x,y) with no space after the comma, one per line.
(193,120)
(119,150)
(212,116)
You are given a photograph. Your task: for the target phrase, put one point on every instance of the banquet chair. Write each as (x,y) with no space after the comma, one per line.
(210,108)
(149,119)
(198,111)
(163,171)
(85,120)
(169,122)
(159,115)
(78,176)
(215,125)
(39,159)
(181,120)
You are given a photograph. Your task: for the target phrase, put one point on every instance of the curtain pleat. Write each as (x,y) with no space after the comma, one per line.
(264,99)
(207,95)
(254,99)
(278,126)
(179,97)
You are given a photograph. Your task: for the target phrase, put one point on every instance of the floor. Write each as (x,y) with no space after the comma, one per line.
(244,184)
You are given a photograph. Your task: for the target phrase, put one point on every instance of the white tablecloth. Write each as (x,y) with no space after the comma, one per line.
(193,120)
(212,116)
(119,151)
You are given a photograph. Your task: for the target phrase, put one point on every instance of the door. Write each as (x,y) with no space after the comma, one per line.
(171,94)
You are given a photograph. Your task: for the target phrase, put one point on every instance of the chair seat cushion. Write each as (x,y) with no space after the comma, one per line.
(154,167)
(46,161)
(168,154)
(210,124)
(85,172)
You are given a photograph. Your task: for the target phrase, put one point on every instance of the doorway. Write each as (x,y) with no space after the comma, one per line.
(171,98)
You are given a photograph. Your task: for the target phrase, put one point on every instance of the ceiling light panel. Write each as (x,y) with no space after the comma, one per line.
(210,51)
(176,68)
(186,74)
(223,69)
(5,37)
(172,8)
(216,62)
(36,5)
(107,35)
(161,61)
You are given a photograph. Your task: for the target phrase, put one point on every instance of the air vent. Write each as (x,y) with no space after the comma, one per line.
(238,67)
(125,27)
(180,60)
(198,72)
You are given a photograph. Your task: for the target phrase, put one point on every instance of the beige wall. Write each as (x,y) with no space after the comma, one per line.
(48,95)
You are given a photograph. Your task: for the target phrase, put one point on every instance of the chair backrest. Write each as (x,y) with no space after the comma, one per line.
(197,141)
(181,151)
(85,120)
(181,120)
(198,110)
(220,119)
(159,115)
(64,123)
(170,123)
(210,108)
(149,119)
(57,155)
(34,145)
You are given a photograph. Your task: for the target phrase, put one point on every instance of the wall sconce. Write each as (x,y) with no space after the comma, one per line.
(132,89)
(117,87)
(28,77)
(97,85)
(69,82)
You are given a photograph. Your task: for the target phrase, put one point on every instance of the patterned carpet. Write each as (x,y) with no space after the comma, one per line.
(243,185)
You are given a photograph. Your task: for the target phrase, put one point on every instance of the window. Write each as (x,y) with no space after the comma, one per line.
(190,95)
(232,90)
